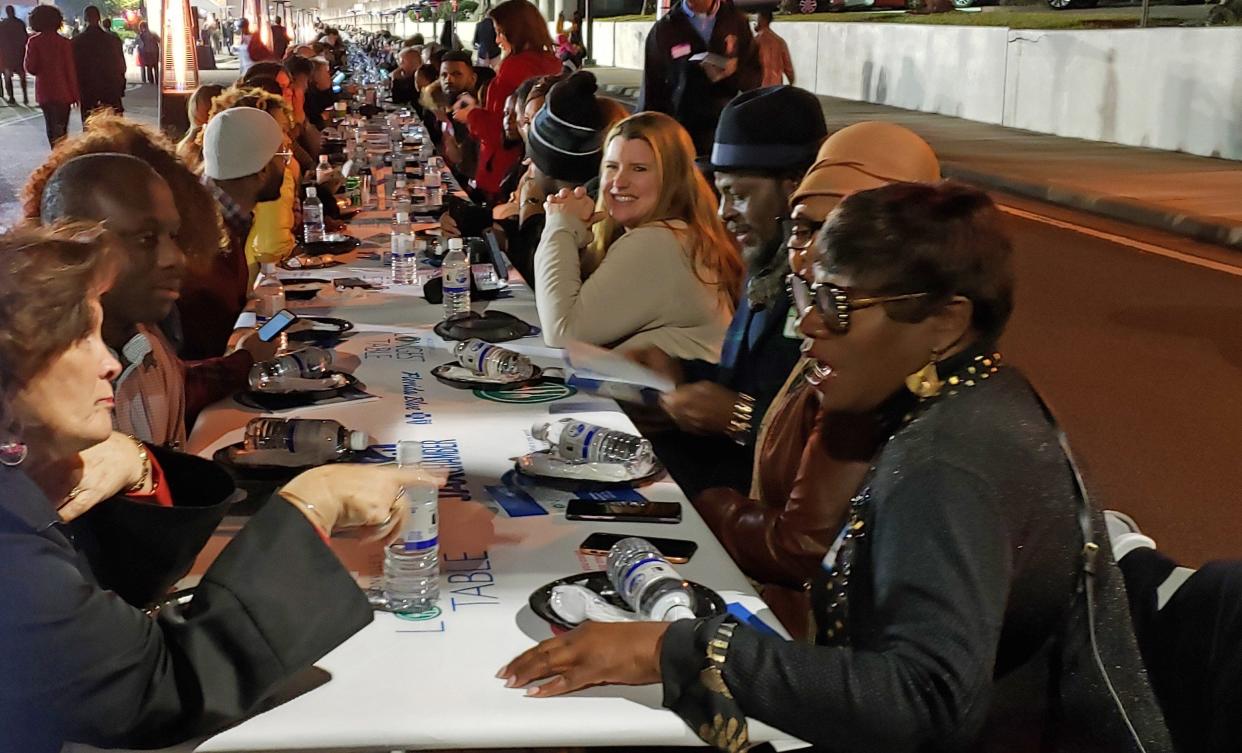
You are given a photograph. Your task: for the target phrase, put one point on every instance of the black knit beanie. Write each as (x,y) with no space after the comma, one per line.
(567,133)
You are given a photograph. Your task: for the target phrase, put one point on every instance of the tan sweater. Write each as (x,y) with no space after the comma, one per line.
(644,293)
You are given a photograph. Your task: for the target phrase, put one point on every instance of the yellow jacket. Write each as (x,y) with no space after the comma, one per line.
(271,235)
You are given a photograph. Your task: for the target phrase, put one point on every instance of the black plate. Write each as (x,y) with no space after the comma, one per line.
(707,603)
(341,326)
(491,326)
(303,295)
(284,400)
(348,243)
(580,485)
(471,384)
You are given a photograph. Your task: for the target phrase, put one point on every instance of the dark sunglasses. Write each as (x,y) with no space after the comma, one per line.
(834,303)
(800,234)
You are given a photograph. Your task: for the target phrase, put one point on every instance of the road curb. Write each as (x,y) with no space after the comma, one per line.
(1198,227)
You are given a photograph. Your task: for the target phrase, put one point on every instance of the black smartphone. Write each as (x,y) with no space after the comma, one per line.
(677,551)
(279,322)
(497,256)
(629,512)
(353,282)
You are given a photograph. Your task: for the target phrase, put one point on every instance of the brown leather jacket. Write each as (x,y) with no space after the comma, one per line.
(805,474)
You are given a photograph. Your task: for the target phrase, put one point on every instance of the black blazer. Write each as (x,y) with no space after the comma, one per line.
(80,661)
(675,86)
(100,64)
(757,359)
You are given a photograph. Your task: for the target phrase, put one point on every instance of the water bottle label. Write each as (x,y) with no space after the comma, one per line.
(647,569)
(422,528)
(474,355)
(576,440)
(456,281)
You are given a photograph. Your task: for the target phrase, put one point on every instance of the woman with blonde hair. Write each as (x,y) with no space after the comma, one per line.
(199,110)
(658,267)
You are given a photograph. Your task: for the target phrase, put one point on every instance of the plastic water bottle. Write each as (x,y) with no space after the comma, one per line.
(269,294)
(308,441)
(323,171)
(579,442)
(367,188)
(404,256)
(648,583)
(312,217)
(456,280)
(411,581)
(401,198)
(482,357)
(433,182)
(307,363)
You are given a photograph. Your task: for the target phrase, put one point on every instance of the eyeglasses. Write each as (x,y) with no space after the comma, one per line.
(801,233)
(834,303)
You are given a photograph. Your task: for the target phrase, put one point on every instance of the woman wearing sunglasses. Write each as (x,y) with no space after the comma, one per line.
(806,470)
(959,606)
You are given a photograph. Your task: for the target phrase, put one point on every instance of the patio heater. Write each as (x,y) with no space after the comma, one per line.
(179,65)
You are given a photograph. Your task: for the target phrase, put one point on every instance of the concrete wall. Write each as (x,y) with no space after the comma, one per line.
(1176,89)
(1167,88)
(954,70)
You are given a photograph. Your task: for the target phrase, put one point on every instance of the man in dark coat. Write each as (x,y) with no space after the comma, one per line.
(699,56)
(280,38)
(100,61)
(12,52)
(718,408)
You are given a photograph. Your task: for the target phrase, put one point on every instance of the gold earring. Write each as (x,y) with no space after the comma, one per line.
(925,383)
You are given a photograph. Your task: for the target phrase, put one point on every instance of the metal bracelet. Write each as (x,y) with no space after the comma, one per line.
(741,422)
(718,646)
(145,458)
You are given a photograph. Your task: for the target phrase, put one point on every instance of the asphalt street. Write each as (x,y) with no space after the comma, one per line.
(1133,336)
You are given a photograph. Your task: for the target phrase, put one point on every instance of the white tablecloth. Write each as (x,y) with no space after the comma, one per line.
(406,684)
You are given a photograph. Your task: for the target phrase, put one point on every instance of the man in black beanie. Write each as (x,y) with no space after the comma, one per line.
(565,145)
(767,138)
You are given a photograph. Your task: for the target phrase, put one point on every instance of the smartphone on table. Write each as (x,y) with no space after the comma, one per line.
(279,322)
(625,512)
(677,551)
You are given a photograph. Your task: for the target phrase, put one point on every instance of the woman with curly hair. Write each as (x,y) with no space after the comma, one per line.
(202,235)
(49,58)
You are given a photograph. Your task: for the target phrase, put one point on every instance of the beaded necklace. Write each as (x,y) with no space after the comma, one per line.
(830,594)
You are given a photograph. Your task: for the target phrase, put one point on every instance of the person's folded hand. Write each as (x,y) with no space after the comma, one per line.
(107,469)
(576,202)
(366,500)
(594,653)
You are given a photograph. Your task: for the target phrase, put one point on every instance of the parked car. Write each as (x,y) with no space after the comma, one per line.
(820,6)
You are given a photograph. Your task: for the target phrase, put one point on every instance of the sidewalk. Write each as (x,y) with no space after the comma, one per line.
(1192,196)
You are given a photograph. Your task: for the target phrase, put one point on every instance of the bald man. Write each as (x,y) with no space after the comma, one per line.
(156,390)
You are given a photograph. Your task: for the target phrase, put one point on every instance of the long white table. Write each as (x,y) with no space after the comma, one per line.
(429,683)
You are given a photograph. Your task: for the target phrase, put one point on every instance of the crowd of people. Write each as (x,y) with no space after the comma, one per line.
(827,308)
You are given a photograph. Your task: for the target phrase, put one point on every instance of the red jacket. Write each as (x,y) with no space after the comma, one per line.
(487,122)
(49,58)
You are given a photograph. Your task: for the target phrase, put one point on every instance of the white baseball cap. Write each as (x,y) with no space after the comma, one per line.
(239,142)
